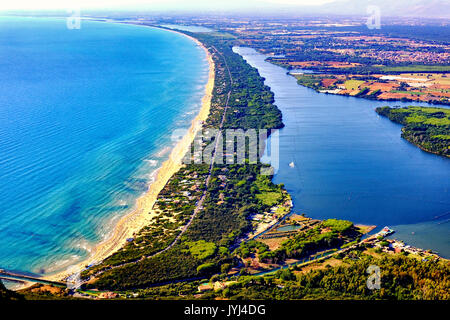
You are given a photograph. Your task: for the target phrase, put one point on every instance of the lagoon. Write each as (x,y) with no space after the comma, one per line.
(350,163)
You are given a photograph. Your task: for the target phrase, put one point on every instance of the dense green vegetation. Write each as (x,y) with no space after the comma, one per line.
(246,249)
(223,222)
(177,263)
(268,193)
(339,226)
(311,81)
(234,193)
(428,128)
(402,277)
(204,247)
(251,102)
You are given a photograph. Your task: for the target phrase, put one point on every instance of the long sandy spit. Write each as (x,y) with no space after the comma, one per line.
(131,223)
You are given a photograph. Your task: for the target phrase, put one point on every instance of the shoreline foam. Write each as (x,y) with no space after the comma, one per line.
(134,221)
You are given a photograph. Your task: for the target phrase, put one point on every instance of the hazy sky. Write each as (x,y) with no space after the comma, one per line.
(413,8)
(152,4)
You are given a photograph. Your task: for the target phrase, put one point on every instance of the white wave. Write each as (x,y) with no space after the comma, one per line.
(163,151)
(122,203)
(151,162)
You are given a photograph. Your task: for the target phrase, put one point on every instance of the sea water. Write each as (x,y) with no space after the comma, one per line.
(86,117)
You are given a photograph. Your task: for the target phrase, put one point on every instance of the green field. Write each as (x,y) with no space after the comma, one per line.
(408,92)
(223,35)
(309,81)
(442,136)
(269,194)
(337,225)
(424,115)
(202,249)
(269,198)
(353,84)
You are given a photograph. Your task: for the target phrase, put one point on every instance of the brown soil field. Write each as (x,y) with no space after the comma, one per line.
(382,86)
(273,243)
(328,82)
(392,95)
(320,265)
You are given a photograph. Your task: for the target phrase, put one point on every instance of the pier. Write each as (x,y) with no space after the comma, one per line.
(7,275)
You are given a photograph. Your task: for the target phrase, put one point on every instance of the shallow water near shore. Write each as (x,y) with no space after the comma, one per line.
(350,163)
(85,118)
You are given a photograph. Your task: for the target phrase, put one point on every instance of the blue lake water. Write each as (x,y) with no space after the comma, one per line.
(86,117)
(352,164)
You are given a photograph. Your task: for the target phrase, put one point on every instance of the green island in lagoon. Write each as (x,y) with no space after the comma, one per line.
(428,128)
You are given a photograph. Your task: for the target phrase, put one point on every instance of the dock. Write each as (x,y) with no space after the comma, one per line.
(8,275)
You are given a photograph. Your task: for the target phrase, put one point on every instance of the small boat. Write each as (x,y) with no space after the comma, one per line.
(292,165)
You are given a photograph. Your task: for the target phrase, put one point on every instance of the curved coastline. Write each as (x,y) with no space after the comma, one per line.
(141,216)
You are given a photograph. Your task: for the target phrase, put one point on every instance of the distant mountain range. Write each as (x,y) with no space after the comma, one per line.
(389,8)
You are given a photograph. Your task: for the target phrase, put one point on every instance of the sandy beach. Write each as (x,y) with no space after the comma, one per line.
(131,223)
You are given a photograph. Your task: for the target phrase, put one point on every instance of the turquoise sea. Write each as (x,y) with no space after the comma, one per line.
(86,117)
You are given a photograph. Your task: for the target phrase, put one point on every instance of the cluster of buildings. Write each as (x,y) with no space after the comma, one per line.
(266,220)
(407,56)
(187,190)
(395,246)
